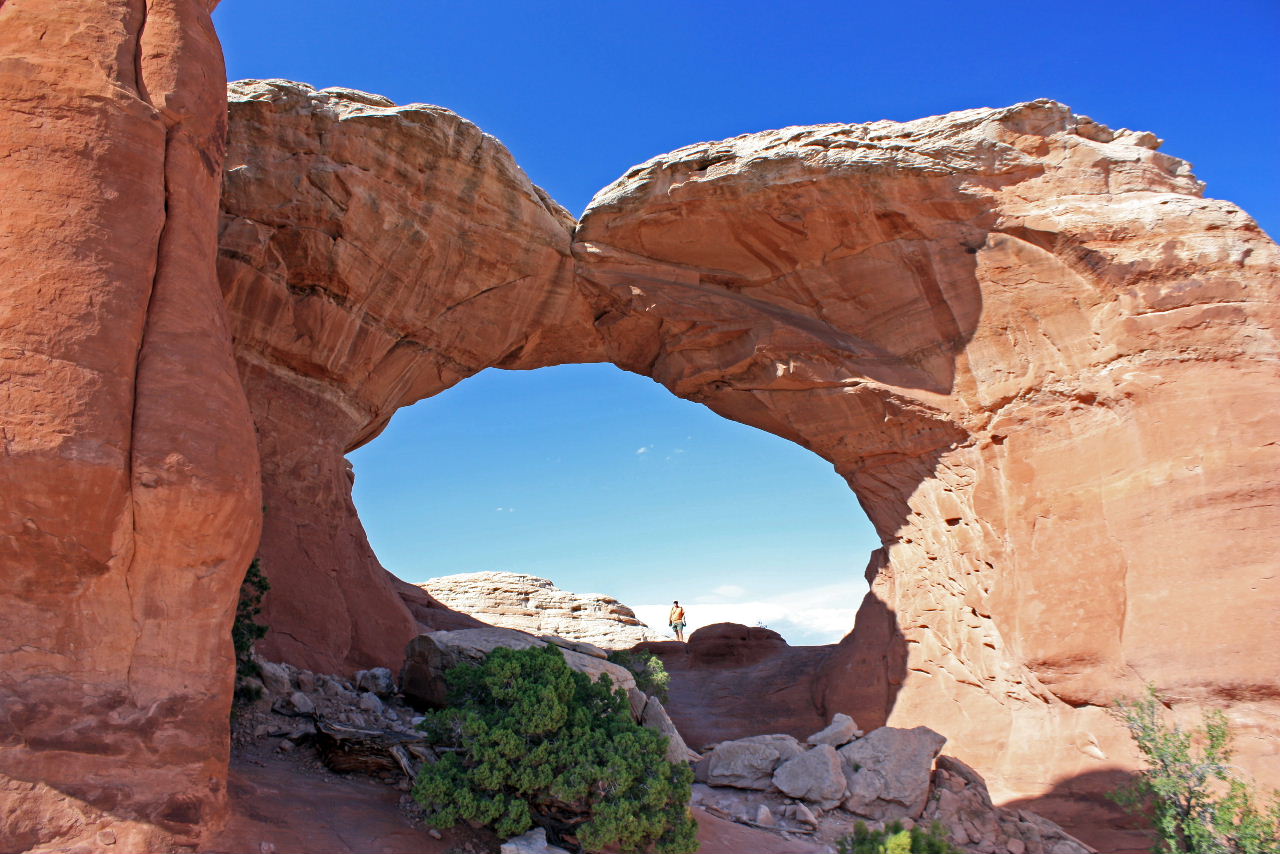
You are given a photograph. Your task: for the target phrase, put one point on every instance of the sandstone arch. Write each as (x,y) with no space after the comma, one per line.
(942,308)
(130,475)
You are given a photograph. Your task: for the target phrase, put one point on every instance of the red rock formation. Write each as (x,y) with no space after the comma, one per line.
(371,255)
(1044,363)
(731,681)
(996,324)
(530,604)
(129,476)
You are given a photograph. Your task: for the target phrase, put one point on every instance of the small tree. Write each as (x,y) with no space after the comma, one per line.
(651,674)
(893,839)
(1190,790)
(245,631)
(535,742)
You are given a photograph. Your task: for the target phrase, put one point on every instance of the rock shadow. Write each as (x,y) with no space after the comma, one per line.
(1081,806)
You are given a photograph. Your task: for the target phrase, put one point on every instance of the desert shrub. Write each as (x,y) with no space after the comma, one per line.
(933,839)
(244,630)
(651,674)
(1189,790)
(529,741)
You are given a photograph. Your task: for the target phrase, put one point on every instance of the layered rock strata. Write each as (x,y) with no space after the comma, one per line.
(371,255)
(129,486)
(1043,362)
(535,605)
(987,321)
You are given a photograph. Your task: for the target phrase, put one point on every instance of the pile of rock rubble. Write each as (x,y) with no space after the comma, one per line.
(839,776)
(817,789)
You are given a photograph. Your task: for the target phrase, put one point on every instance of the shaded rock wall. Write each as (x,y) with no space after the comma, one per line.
(129,503)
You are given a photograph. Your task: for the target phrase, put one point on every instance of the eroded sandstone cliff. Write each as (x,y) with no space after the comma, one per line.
(129,497)
(998,325)
(1044,363)
(516,601)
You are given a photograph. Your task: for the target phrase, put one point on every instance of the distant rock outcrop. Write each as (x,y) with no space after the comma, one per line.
(531,604)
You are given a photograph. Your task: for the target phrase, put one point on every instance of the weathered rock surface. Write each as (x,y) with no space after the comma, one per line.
(129,498)
(816,775)
(888,771)
(1002,327)
(864,291)
(371,255)
(1006,335)
(747,763)
(742,676)
(533,842)
(842,730)
(535,605)
(895,785)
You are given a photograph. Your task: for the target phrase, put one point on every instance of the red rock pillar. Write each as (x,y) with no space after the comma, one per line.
(129,488)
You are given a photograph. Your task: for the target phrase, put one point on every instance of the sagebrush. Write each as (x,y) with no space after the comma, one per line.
(527,741)
(1194,797)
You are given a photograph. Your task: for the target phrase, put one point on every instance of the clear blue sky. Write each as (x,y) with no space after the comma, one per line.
(580,91)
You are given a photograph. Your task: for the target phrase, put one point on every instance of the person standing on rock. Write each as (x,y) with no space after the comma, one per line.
(676,619)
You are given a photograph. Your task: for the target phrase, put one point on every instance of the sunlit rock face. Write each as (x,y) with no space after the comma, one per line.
(513,600)
(129,503)
(371,255)
(1046,366)
(1038,356)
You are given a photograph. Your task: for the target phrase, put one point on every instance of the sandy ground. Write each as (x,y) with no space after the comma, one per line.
(282,804)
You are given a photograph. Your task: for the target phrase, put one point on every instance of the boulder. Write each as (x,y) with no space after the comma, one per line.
(817,775)
(302,703)
(786,745)
(378,680)
(533,842)
(961,803)
(747,763)
(655,717)
(275,678)
(369,702)
(889,771)
(839,732)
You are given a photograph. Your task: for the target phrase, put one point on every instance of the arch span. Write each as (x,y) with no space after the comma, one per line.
(993,323)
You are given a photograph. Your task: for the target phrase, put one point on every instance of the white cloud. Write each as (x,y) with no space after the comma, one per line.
(729,591)
(646,449)
(818,615)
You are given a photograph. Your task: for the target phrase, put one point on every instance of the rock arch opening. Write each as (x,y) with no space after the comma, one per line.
(1042,360)
(603,482)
